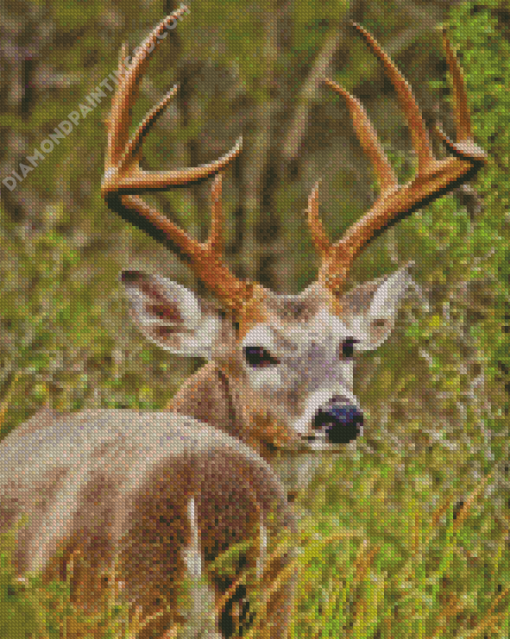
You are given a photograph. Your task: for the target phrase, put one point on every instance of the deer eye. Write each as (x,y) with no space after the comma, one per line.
(346,349)
(258,357)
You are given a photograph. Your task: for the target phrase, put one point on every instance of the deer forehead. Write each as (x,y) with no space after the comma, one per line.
(282,334)
(271,319)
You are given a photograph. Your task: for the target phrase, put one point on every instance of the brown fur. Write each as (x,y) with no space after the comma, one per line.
(122,498)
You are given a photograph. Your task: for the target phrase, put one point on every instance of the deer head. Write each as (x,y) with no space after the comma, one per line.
(287,359)
(161,496)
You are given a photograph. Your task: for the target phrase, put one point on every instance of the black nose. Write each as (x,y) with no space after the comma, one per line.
(340,422)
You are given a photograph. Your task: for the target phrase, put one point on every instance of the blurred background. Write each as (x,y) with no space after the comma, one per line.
(436,395)
(250,69)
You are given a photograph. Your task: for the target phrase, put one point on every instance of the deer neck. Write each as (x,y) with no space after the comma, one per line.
(207,396)
(210,397)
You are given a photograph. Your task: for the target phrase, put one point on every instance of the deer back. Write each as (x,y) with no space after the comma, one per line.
(158,496)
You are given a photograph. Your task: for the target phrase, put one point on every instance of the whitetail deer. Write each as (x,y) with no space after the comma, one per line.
(164,494)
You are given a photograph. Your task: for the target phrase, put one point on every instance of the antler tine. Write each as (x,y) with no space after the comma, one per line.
(370,144)
(204,258)
(412,113)
(433,177)
(123,178)
(319,237)
(122,171)
(369,141)
(464,145)
(461,110)
(134,145)
(127,89)
(215,239)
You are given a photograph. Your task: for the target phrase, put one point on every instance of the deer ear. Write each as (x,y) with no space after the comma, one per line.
(170,315)
(380,317)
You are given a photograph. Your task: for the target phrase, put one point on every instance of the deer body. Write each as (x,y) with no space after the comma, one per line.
(141,491)
(161,496)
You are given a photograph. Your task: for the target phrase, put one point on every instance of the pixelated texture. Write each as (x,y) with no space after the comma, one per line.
(270,474)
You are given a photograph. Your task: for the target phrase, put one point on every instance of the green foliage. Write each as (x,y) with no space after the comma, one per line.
(484,40)
(382,553)
(396,556)
(55,343)
(32,608)
(309,28)
(18,615)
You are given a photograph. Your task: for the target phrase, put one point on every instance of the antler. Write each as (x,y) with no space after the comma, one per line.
(123,178)
(433,177)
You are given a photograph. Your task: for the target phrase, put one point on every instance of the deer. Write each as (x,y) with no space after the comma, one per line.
(162,495)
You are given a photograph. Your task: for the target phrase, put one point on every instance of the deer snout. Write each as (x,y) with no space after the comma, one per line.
(339,421)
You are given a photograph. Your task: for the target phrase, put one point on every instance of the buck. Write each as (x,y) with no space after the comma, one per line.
(163,495)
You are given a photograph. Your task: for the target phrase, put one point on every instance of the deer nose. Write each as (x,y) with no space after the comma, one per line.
(341,422)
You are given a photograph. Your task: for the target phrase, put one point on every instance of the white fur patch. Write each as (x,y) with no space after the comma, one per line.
(193,553)
(261,335)
(263,542)
(198,605)
(266,378)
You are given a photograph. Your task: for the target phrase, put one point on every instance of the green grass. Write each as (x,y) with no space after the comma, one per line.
(387,551)
(405,534)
